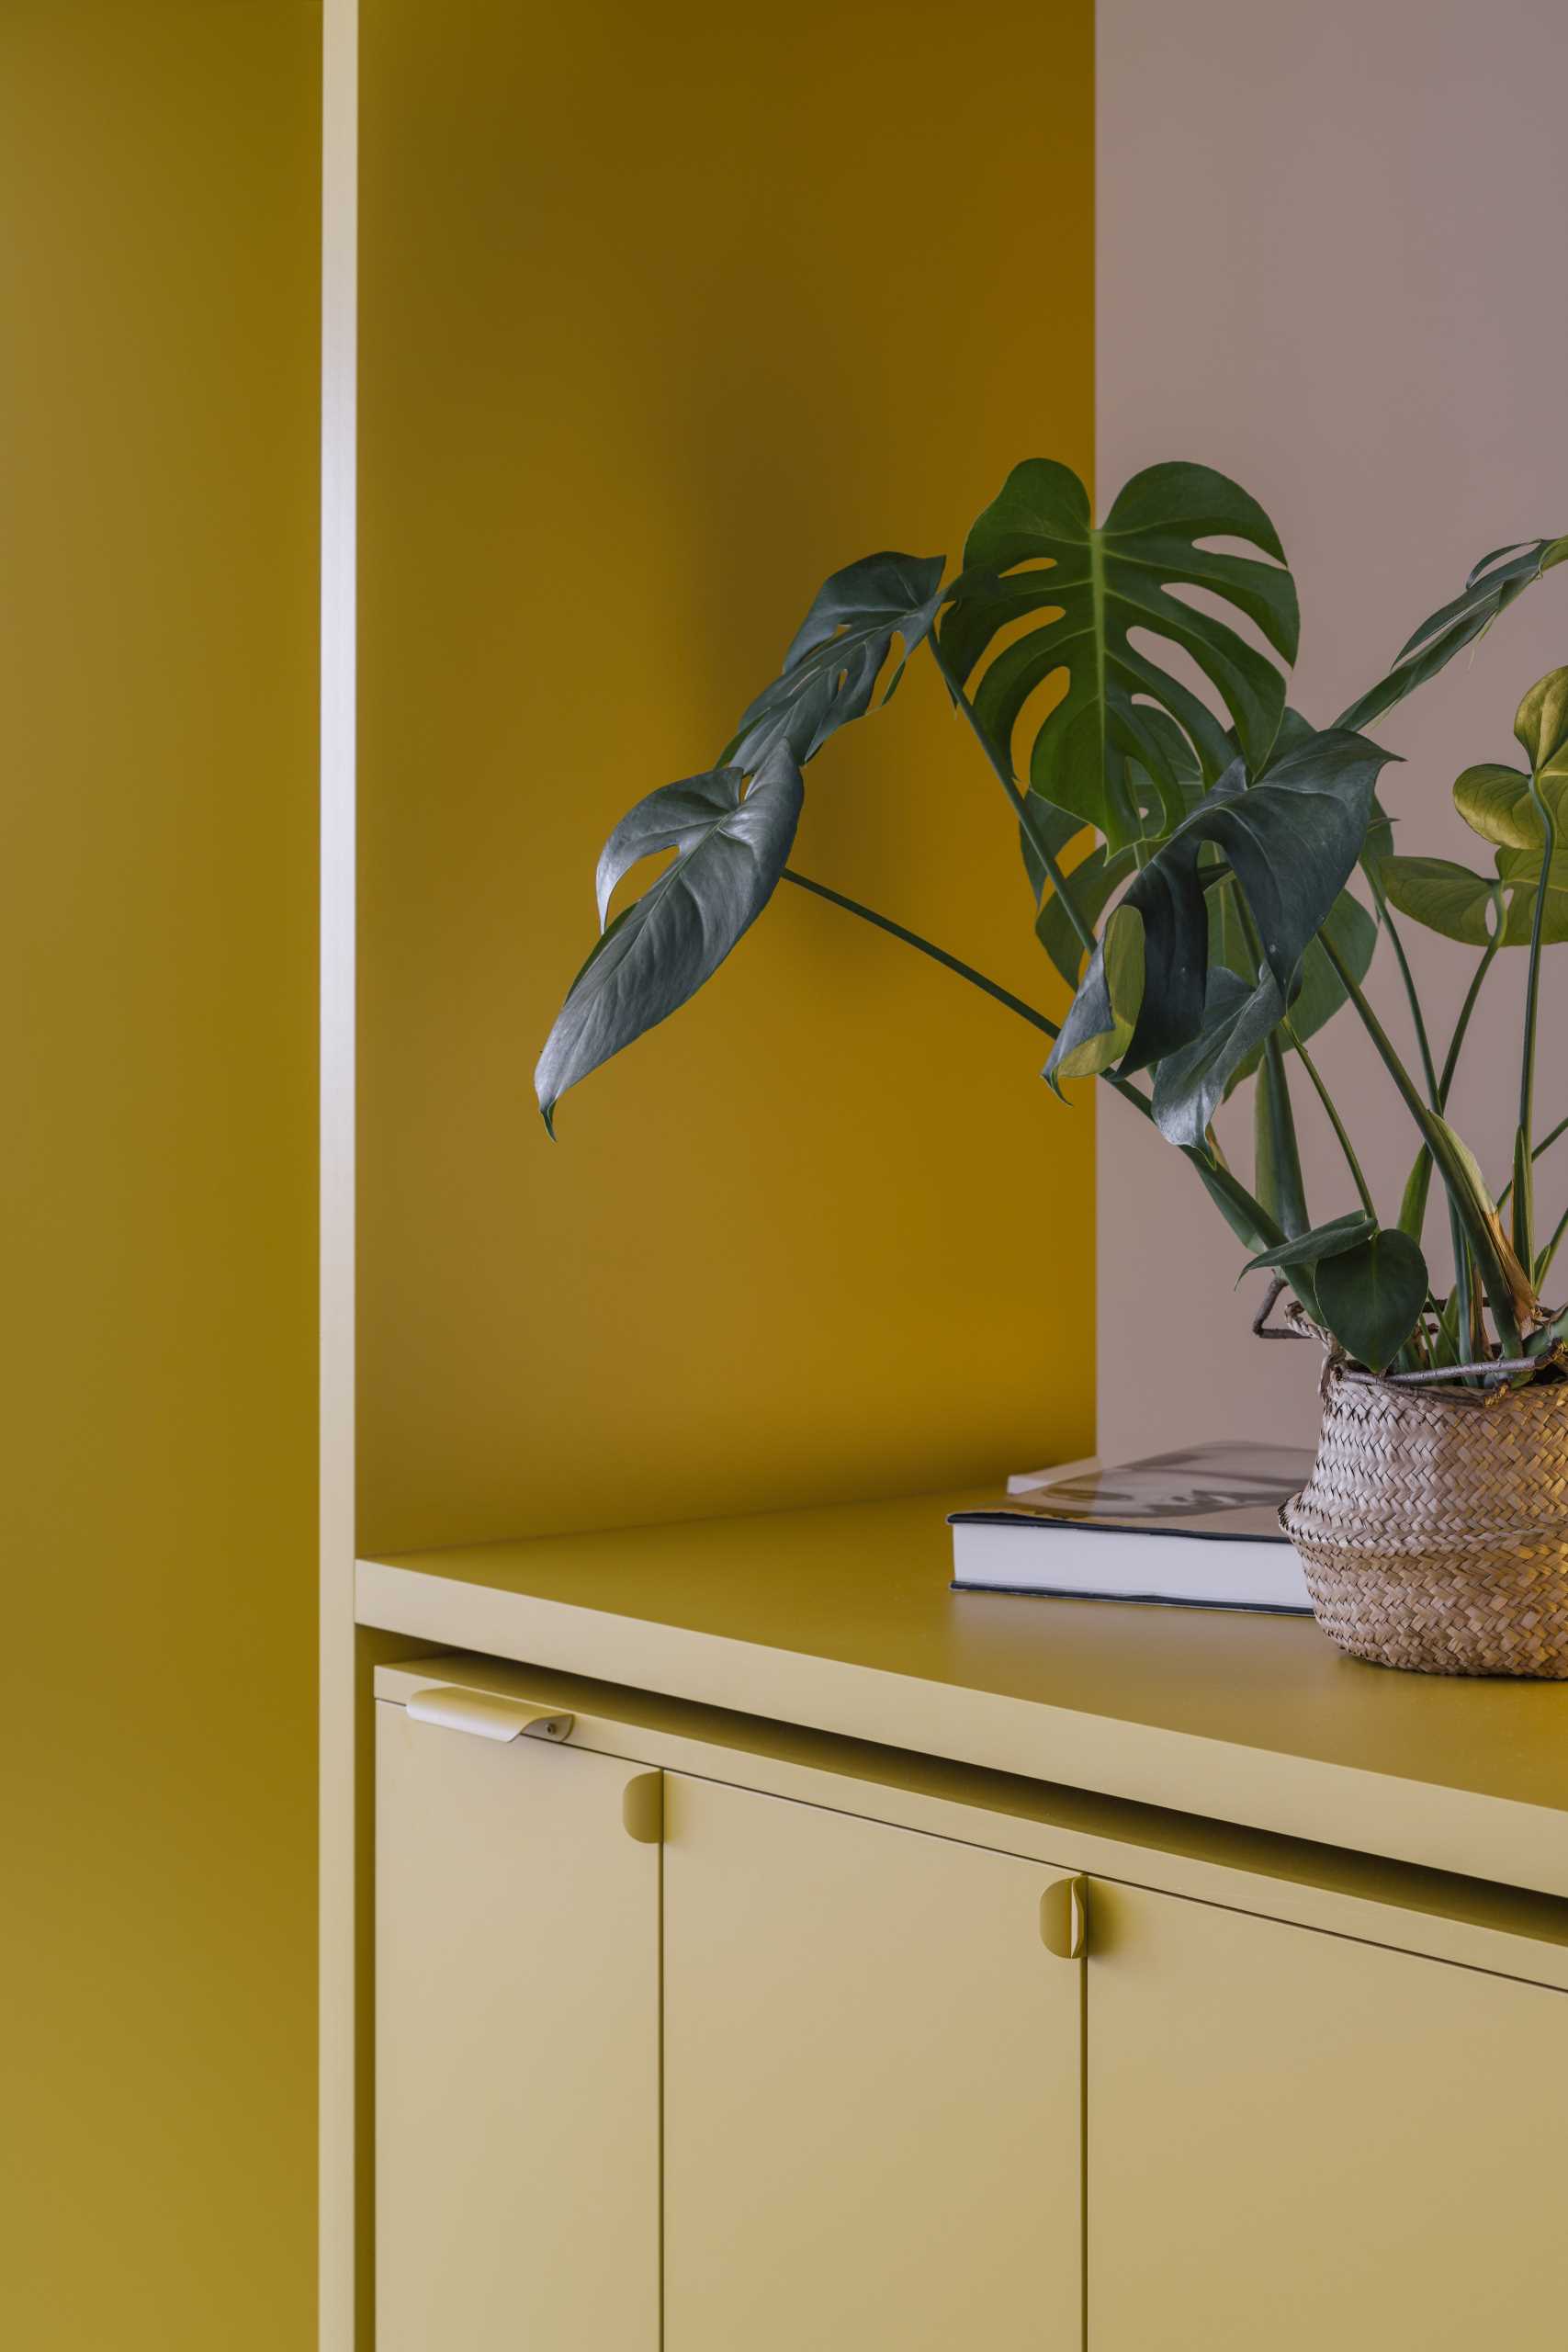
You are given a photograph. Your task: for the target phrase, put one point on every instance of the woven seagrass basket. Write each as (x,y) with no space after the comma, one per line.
(1434,1528)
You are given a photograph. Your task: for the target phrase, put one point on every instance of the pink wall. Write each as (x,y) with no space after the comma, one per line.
(1331,262)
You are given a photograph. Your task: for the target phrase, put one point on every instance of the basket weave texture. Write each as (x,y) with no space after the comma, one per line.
(1434,1528)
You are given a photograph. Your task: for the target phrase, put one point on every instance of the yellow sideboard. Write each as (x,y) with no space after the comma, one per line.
(792,2022)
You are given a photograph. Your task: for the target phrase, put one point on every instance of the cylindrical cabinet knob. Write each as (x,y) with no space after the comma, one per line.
(1064,1917)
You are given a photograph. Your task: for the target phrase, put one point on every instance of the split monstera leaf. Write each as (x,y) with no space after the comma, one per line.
(1190,842)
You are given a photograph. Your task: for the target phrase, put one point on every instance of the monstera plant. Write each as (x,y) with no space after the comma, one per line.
(1209,871)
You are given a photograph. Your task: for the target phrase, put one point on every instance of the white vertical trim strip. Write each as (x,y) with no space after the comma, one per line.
(340,174)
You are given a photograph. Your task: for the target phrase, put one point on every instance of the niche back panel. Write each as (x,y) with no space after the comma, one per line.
(664,318)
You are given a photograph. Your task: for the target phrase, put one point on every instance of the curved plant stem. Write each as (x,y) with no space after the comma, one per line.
(1335,1120)
(926,947)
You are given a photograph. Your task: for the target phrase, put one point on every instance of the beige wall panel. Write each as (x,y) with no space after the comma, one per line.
(1330,256)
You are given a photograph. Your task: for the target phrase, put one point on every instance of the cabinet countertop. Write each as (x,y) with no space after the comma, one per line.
(841,1618)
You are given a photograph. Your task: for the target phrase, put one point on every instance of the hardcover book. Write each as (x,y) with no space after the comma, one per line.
(1199,1528)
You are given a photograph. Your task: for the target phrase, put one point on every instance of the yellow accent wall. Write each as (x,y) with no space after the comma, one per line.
(159,184)
(666,313)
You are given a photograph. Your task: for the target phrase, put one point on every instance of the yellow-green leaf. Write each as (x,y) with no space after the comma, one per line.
(1495,803)
(1540,723)
(1445,897)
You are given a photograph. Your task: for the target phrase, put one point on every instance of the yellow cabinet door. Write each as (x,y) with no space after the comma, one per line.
(1301,2143)
(872,2088)
(517,2048)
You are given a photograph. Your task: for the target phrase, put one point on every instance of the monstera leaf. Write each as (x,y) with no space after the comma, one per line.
(1099,875)
(1321,991)
(1490,589)
(730,848)
(1292,842)
(1096,588)
(840,651)
(1191,1083)
(1093,881)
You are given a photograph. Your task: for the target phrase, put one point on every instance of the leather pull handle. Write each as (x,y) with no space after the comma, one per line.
(486,1716)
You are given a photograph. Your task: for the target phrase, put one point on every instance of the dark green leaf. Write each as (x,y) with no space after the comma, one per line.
(1036,550)
(1312,1249)
(1191,1082)
(1372,1296)
(840,651)
(1320,993)
(730,853)
(1098,1027)
(1292,842)
(1044,830)
(1092,880)
(1491,588)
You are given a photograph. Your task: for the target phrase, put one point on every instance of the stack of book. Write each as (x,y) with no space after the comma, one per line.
(1200,1529)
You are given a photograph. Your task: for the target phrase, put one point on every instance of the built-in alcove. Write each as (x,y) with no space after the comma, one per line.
(636,373)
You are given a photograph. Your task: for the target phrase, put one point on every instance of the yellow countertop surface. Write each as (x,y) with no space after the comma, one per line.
(843,1619)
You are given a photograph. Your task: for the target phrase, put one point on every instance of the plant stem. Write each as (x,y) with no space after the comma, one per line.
(1378,1033)
(1450,1061)
(1423,1042)
(1544,1145)
(1467,1213)
(1471,1335)
(1524,1205)
(938,955)
(1470,1339)
(1122,1086)
(1544,1261)
(1560,1129)
(1335,1120)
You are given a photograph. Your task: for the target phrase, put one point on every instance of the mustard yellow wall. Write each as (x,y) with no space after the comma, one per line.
(666,313)
(158,291)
